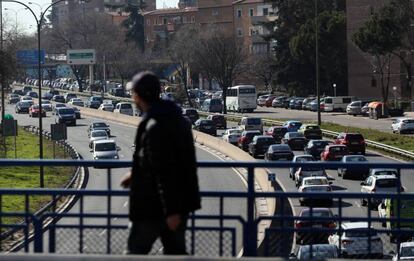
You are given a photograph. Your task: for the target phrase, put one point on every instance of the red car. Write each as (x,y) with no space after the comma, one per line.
(334,152)
(354,141)
(34,111)
(269,100)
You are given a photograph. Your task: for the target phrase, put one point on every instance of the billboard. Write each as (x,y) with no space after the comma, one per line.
(30,57)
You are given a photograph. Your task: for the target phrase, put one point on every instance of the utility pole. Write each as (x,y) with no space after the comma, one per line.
(2,82)
(318,92)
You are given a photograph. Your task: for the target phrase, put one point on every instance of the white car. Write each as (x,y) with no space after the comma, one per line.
(76,102)
(379,184)
(105,149)
(354,240)
(232,136)
(261,101)
(305,172)
(97,135)
(315,184)
(47,105)
(403,125)
(124,108)
(106,107)
(406,252)
(379,172)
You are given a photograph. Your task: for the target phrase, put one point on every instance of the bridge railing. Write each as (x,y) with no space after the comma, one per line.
(96,220)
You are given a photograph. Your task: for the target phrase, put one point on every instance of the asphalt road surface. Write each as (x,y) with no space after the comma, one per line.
(94,240)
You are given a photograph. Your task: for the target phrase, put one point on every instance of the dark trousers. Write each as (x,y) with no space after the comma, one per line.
(143,234)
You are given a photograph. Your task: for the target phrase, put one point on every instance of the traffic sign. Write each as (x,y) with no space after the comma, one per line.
(81,57)
(271,177)
(30,57)
(59,131)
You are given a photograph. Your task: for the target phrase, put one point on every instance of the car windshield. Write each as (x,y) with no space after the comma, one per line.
(337,149)
(407,251)
(408,121)
(356,159)
(265,140)
(206,123)
(296,135)
(386,183)
(386,172)
(250,135)
(354,137)
(107,146)
(359,233)
(315,213)
(126,106)
(312,127)
(320,144)
(254,121)
(315,182)
(60,105)
(281,148)
(96,98)
(99,125)
(304,159)
(191,112)
(355,103)
(99,134)
(45,102)
(24,104)
(66,111)
(295,124)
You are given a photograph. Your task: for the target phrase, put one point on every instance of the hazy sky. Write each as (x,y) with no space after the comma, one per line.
(25,18)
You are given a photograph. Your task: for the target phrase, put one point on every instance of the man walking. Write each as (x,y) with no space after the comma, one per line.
(163,182)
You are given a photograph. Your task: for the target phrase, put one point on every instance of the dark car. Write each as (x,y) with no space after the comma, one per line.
(219,121)
(192,114)
(99,126)
(246,138)
(94,102)
(14,98)
(334,152)
(32,94)
(277,132)
(286,102)
(298,103)
(69,96)
(316,147)
(279,102)
(260,145)
(354,141)
(58,98)
(47,96)
(58,106)
(34,111)
(360,173)
(77,112)
(22,107)
(325,220)
(206,126)
(66,115)
(279,152)
(295,140)
(18,92)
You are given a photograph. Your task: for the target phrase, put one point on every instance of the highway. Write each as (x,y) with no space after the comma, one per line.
(209,179)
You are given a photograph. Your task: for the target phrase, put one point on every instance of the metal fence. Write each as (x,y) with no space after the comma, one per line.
(98,221)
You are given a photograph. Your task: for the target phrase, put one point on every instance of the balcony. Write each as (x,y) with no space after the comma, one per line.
(258,20)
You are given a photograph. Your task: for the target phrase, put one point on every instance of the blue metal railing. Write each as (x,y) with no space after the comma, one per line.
(109,220)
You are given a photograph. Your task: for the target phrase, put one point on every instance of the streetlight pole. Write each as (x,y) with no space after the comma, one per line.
(318,93)
(2,76)
(39,71)
(334,87)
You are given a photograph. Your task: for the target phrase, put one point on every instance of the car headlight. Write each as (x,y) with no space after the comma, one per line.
(116,157)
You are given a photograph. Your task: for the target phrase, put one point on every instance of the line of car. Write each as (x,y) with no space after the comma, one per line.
(279,142)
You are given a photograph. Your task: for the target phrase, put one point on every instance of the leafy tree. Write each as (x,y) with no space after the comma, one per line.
(295,63)
(135,24)
(262,67)
(381,36)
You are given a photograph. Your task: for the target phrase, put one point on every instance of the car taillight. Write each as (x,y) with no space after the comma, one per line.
(332,225)
(373,190)
(298,225)
(362,142)
(344,142)
(243,139)
(347,241)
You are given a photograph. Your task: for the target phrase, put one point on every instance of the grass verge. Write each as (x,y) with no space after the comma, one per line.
(28,177)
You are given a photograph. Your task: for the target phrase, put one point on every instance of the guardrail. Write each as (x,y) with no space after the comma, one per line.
(102,228)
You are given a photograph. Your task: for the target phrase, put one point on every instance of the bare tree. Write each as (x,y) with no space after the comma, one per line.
(182,53)
(221,57)
(262,67)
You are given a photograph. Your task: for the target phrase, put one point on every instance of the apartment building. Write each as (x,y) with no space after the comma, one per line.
(161,23)
(363,78)
(248,18)
(216,12)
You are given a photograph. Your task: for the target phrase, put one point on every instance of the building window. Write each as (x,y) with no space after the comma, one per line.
(215,12)
(193,19)
(185,19)
(239,13)
(239,32)
(164,21)
(97,9)
(148,22)
(251,12)
(252,31)
(265,11)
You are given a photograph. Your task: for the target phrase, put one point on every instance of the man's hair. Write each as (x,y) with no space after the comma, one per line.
(147,86)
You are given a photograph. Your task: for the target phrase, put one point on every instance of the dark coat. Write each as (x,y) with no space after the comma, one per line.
(164,173)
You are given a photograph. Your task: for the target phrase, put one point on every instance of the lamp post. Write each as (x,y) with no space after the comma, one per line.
(1,50)
(39,22)
(318,93)
(334,87)
(394,88)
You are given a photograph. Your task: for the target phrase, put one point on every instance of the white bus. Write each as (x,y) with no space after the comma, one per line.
(241,98)
(337,103)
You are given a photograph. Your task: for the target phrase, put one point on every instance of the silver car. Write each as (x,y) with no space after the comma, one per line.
(97,135)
